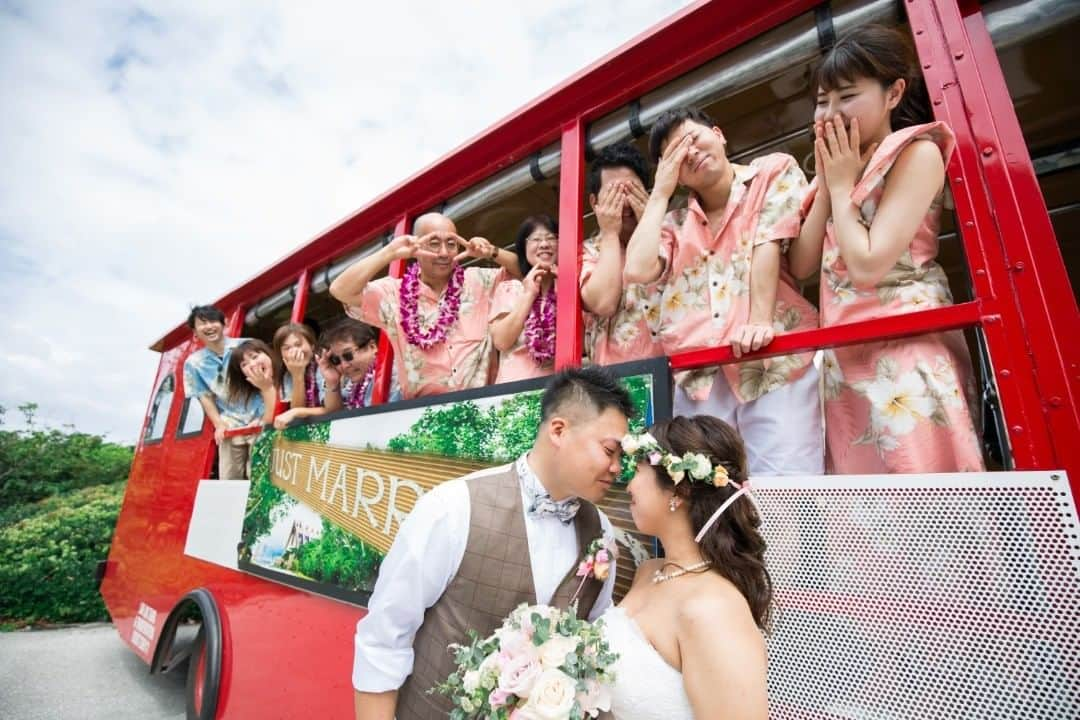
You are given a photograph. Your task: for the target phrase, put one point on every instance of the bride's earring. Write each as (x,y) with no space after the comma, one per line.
(672,504)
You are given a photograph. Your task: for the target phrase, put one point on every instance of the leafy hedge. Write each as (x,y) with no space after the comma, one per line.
(47,558)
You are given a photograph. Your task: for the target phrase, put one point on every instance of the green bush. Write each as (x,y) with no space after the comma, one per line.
(48,556)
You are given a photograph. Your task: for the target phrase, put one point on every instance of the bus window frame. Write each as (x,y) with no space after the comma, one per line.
(155,408)
(188,402)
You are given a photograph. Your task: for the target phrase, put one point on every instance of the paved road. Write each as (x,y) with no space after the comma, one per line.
(82,673)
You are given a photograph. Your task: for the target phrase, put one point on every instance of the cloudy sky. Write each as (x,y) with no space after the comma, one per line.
(157,155)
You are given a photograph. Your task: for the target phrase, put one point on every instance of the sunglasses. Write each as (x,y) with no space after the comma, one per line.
(347,356)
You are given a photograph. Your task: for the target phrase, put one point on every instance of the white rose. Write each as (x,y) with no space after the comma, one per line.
(629,444)
(702,467)
(552,697)
(553,653)
(647,439)
(471,681)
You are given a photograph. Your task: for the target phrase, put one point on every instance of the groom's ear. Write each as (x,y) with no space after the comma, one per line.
(556,429)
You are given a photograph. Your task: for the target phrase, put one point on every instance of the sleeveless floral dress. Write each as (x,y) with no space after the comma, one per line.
(901,406)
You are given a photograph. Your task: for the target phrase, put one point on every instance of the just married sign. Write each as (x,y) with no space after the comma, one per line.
(366,492)
(327,498)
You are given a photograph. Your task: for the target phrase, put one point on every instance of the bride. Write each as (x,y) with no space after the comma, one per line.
(689,631)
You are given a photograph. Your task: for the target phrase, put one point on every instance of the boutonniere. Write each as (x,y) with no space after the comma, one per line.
(600,554)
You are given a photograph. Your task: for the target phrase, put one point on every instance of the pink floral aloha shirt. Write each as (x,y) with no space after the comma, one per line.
(629,334)
(706,281)
(464,360)
(901,406)
(517,363)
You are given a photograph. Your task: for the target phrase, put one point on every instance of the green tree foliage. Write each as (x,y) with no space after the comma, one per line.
(267,503)
(38,462)
(499,433)
(336,558)
(47,559)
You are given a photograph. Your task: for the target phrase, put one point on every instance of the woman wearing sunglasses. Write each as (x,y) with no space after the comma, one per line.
(345,372)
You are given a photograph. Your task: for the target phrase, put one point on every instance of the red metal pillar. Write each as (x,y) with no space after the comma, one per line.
(298,309)
(1003,221)
(299,306)
(568,323)
(385,361)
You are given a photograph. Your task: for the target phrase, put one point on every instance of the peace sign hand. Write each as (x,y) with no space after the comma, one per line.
(476,247)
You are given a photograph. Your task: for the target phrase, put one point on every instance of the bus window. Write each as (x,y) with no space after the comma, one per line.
(266,316)
(323,311)
(1047,104)
(192,418)
(159,411)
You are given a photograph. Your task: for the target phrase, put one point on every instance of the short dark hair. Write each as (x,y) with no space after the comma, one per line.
(594,387)
(528,227)
(619,155)
(209,313)
(348,329)
(670,120)
(880,53)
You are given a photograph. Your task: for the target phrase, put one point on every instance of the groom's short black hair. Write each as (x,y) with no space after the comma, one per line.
(594,387)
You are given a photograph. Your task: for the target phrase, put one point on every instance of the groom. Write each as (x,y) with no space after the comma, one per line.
(475,548)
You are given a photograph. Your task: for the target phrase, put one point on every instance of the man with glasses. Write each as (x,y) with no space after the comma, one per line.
(436,316)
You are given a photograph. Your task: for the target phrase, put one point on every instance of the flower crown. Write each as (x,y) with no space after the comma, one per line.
(695,466)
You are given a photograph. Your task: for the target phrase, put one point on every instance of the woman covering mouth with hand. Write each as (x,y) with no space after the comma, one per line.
(523,312)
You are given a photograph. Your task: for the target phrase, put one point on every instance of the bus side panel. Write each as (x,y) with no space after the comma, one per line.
(289,653)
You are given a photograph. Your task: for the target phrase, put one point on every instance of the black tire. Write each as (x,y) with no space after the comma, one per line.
(196,677)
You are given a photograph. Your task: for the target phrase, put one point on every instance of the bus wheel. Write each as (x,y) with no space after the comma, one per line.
(196,677)
(205,655)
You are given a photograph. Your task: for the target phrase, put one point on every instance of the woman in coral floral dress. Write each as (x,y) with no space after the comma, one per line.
(871,221)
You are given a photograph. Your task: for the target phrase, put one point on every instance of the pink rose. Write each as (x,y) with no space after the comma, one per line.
(498,698)
(584,568)
(594,698)
(603,556)
(519,675)
(655,458)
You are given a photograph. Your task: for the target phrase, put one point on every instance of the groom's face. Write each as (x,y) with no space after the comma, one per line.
(590,452)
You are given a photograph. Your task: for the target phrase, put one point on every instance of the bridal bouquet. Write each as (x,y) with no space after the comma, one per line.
(542,664)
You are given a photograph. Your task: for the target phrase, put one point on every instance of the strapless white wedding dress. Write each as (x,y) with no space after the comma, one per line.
(646,687)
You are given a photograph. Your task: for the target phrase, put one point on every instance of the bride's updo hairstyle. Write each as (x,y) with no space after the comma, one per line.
(733,544)
(878,53)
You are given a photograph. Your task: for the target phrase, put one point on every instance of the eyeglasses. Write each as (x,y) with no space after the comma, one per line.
(435,245)
(538,239)
(347,356)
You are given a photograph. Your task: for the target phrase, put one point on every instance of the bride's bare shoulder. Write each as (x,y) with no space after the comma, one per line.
(712,599)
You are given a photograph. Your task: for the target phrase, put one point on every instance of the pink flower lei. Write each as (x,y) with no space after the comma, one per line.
(359,390)
(449,305)
(311,392)
(540,328)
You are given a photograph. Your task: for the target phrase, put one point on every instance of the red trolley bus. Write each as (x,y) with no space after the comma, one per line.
(996,72)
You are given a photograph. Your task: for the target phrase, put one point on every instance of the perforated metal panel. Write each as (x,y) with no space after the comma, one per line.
(947,596)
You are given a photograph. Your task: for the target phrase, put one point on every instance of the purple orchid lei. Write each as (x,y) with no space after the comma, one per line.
(359,390)
(540,328)
(311,392)
(449,305)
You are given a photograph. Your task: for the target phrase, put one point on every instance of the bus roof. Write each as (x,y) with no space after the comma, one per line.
(679,43)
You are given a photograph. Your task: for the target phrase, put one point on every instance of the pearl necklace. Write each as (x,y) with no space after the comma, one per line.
(659,577)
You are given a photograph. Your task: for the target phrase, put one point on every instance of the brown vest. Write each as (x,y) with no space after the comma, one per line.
(495,577)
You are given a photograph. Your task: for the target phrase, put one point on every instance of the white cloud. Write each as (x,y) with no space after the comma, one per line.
(158,156)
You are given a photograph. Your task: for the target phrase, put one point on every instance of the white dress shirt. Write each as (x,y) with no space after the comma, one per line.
(425,557)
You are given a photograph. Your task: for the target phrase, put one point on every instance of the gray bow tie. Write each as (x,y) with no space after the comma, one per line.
(540,504)
(543,506)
